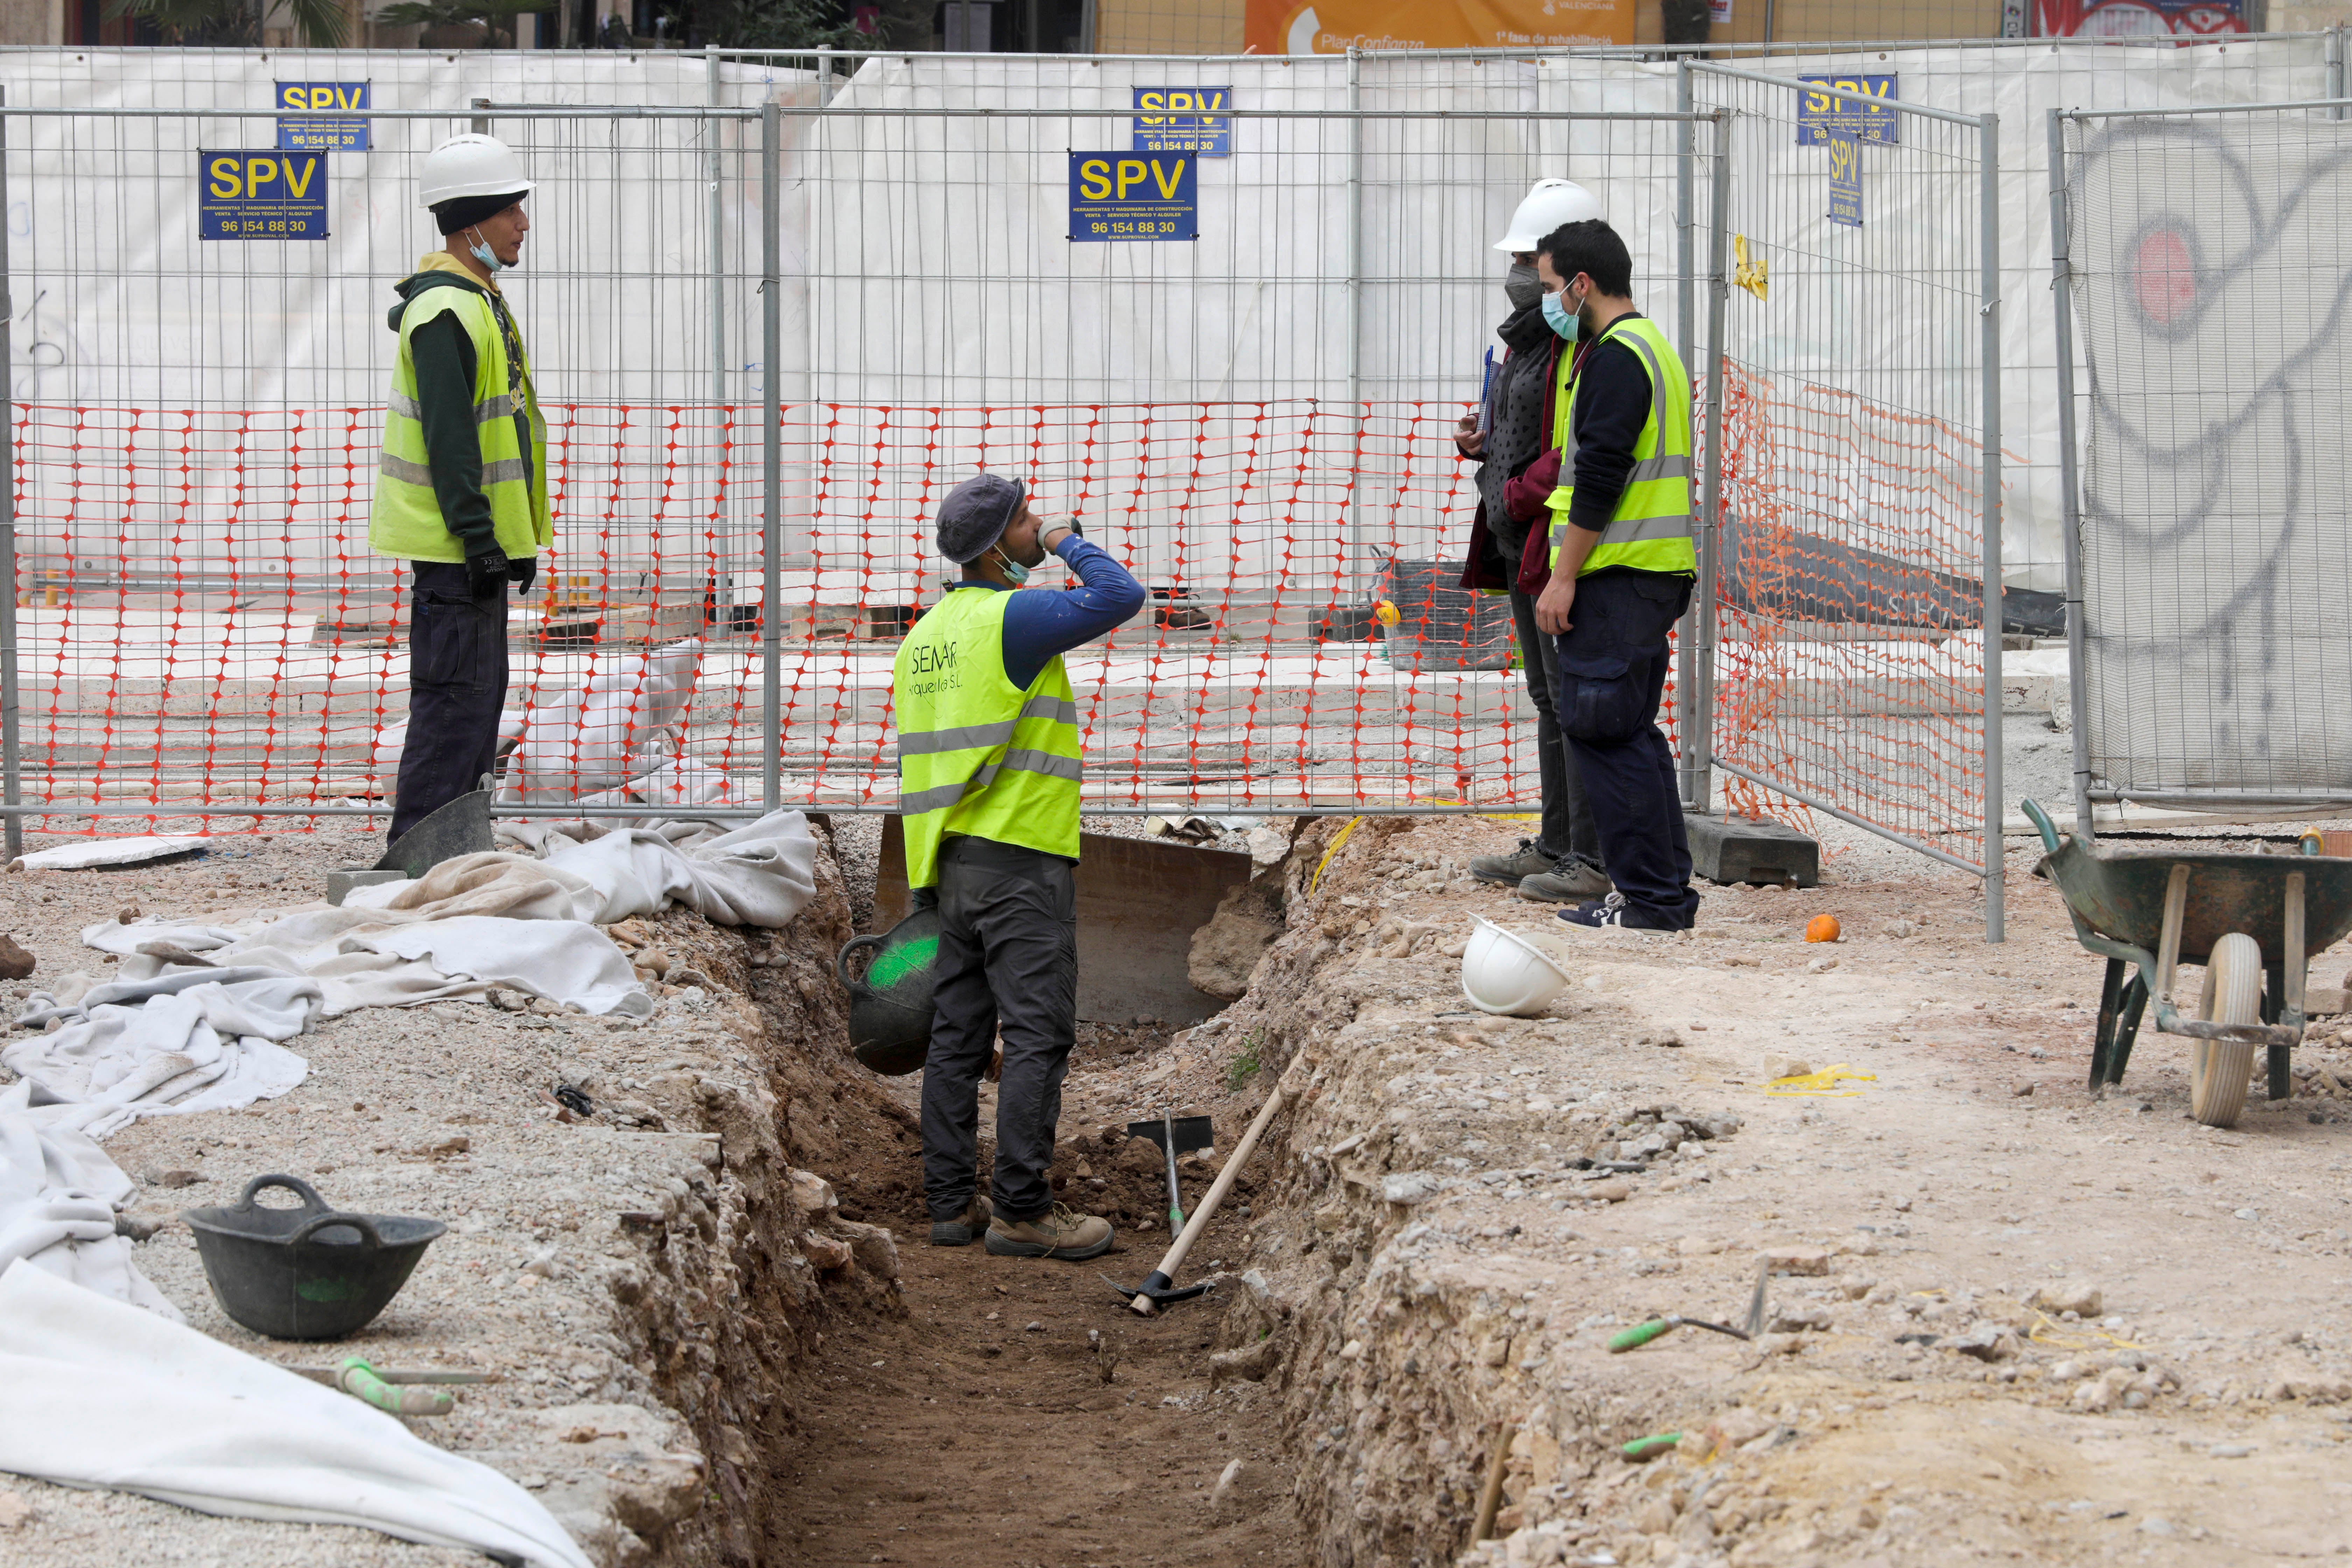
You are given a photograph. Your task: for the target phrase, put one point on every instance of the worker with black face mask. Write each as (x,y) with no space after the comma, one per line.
(1510,438)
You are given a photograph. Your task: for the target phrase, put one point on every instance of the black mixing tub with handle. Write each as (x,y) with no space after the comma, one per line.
(308,1273)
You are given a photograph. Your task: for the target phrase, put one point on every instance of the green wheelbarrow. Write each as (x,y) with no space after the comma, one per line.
(2252,920)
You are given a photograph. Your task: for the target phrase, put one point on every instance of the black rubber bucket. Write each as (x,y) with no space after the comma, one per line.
(312,1273)
(890,1003)
(1442,626)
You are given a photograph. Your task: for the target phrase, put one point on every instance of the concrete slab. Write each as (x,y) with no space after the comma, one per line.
(1139,902)
(1744,849)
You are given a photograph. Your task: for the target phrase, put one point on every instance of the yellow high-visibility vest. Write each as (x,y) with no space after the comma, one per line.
(405,519)
(977,755)
(1651,529)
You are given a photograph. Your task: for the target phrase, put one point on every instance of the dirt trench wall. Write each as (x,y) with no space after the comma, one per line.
(723,1294)
(1401,1353)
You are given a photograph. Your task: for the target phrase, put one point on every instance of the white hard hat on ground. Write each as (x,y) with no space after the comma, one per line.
(1502,972)
(472,165)
(1551,203)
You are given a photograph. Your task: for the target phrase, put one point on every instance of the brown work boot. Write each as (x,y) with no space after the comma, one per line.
(961,1230)
(1064,1233)
(1571,883)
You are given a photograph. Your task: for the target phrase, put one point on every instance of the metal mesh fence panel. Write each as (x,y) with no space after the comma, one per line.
(201,623)
(1258,418)
(1858,540)
(1258,421)
(2203,260)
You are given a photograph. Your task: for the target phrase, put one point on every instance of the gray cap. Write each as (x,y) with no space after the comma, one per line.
(976,514)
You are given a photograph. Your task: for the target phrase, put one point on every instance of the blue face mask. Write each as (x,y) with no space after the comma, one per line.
(1558,316)
(1015,573)
(485,254)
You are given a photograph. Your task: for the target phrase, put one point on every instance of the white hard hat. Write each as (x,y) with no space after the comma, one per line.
(1551,203)
(472,165)
(1505,973)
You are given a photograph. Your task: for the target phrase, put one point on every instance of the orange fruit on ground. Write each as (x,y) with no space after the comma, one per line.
(1821,928)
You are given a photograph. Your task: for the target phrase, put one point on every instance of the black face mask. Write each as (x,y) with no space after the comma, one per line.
(1521,287)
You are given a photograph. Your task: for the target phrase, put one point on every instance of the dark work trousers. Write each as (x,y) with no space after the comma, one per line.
(456,685)
(1008,960)
(1612,666)
(1567,831)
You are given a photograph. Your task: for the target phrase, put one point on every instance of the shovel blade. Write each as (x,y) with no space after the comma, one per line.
(1191,1133)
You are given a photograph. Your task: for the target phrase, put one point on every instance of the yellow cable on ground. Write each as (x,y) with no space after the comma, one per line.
(2070,1343)
(1338,839)
(1821,1084)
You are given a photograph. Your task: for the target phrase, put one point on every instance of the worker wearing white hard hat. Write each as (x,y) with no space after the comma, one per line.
(461,484)
(1510,439)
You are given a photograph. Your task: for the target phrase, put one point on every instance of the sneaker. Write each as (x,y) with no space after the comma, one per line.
(1613,910)
(1527,860)
(1064,1233)
(959,1231)
(1572,882)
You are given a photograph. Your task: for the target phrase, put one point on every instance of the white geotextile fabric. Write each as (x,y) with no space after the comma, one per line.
(94,1392)
(106,852)
(58,1192)
(190,1017)
(194,1039)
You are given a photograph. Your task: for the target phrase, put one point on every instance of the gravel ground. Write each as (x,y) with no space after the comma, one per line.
(446,1112)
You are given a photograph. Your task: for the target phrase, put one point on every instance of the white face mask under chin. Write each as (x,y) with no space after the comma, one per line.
(484,254)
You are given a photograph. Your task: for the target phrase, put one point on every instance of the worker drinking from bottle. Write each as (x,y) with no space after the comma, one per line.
(988,765)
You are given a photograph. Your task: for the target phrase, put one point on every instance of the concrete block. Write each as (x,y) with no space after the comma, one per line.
(341,883)
(1743,850)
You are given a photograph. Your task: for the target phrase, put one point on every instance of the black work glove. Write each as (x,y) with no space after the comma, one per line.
(522,573)
(485,572)
(922,898)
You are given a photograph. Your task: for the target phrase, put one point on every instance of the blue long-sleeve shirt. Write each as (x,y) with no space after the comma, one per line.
(1040,623)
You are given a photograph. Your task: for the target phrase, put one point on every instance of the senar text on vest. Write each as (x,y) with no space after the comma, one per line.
(933,667)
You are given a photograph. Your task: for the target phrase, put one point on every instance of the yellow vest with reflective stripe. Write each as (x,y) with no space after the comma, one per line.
(977,755)
(1651,529)
(406,519)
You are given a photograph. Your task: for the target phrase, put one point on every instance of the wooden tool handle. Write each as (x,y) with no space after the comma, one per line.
(1175,1258)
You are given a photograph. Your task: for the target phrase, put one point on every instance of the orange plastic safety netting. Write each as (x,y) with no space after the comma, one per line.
(202,628)
(1850,656)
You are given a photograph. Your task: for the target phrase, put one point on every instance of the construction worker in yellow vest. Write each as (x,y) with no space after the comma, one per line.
(989,763)
(461,484)
(1622,567)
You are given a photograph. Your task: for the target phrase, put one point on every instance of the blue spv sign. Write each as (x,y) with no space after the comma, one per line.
(1169,119)
(261,195)
(1845,179)
(1134,196)
(297,135)
(1861,106)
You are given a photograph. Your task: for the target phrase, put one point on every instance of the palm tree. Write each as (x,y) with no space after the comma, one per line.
(233,22)
(496,16)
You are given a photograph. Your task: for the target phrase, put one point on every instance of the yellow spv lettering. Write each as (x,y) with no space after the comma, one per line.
(296,184)
(1155,99)
(1168,180)
(348,100)
(291,96)
(259,173)
(1094,179)
(1131,172)
(322,97)
(1817,103)
(227,179)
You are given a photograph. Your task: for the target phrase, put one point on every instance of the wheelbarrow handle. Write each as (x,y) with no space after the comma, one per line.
(2041,820)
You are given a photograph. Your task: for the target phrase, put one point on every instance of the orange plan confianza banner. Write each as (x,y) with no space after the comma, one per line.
(1333,27)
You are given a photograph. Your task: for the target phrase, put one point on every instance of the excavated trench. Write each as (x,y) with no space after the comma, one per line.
(866,1400)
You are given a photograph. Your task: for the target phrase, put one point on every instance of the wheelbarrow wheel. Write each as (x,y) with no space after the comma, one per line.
(2218,1069)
